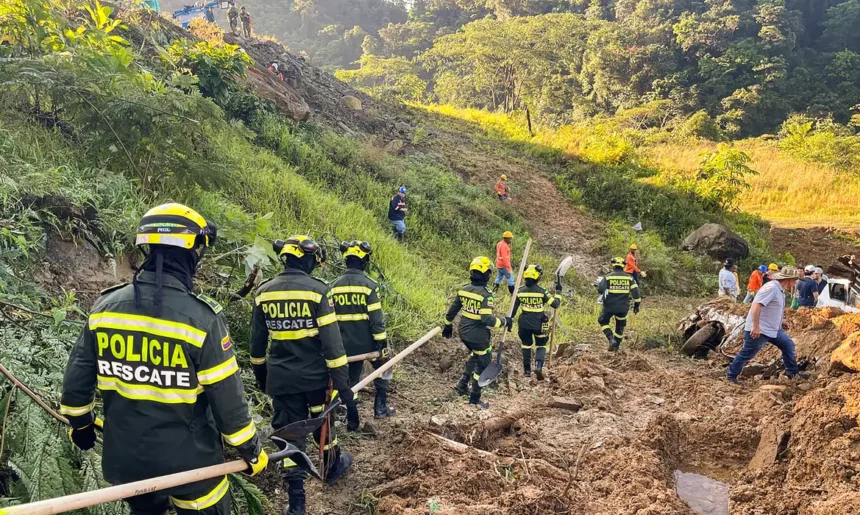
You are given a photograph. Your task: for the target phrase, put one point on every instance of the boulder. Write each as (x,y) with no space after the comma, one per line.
(716,241)
(394,146)
(847,355)
(351,102)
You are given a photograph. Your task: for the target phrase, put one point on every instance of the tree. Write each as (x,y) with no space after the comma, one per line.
(393,78)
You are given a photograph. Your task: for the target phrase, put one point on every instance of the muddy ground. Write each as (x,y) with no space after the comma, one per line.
(782,446)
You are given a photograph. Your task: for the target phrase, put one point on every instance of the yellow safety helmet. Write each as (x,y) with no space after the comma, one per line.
(299,246)
(481,264)
(504,177)
(507,234)
(177,226)
(359,249)
(617,262)
(773,267)
(634,247)
(533,272)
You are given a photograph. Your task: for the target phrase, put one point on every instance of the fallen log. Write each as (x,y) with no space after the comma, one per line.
(461,448)
(501,422)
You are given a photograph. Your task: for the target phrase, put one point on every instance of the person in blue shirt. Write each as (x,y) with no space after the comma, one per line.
(820,280)
(807,289)
(397,209)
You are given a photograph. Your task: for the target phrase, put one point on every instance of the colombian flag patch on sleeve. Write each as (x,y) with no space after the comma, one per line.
(226,342)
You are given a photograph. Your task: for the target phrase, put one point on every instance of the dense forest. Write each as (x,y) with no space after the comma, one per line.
(747,63)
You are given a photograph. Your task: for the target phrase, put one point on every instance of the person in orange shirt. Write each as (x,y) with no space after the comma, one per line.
(502,188)
(754,283)
(503,262)
(631,263)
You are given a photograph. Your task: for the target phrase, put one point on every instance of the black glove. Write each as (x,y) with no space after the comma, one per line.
(261,372)
(346,395)
(340,382)
(636,309)
(448,331)
(509,323)
(544,317)
(83,438)
(558,287)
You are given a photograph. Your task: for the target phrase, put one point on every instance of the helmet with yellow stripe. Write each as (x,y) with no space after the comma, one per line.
(617,262)
(299,246)
(177,226)
(533,272)
(359,249)
(481,264)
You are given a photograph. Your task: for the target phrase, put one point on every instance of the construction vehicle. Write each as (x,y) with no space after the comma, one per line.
(192,12)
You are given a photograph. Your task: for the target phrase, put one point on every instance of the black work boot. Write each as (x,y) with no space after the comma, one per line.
(462,387)
(352,419)
(340,468)
(539,359)
(614,344)
(527,362)
(475,398)
(380,404)
(495,287)
(296,493)
(618,340)
(511,288)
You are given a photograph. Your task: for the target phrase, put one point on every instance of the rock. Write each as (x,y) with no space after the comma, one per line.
(369,429)
(716,241)
(819,322)
(804,387)
(774,439)
(566,403)
(446,363)
(439,420)
(772,388)
(657,401)
(582,347)
(847,355)
(351,102)
(599,382)
(394,146)
(619,393)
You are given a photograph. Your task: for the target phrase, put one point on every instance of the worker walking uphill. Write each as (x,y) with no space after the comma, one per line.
(233,18)
(362,327)
(245,16)
(503,262)
(306,365)
(164,364)
(476,303)
(397,209)
(616,289)
(501,188)
(534,300)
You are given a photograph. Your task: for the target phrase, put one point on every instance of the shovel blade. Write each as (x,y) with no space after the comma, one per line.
(302,428)
(490,374)
(388,374)
(289,451)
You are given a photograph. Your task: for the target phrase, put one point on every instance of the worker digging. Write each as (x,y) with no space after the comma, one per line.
(306,367)
(616,289)
(474,302)
(533,323)
(362,325)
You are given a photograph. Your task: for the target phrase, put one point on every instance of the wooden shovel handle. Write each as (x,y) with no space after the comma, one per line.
(116,493)
(514,296)
(396,359)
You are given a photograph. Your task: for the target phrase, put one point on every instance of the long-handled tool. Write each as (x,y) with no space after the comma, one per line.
(491,373)
(560,272)
(302,428)
(115,493)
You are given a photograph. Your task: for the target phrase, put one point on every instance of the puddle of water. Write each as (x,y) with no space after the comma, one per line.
(704,495)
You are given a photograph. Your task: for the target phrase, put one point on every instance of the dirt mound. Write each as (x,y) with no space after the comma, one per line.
(818,246)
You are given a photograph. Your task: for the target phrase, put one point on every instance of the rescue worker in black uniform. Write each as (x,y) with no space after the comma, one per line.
(362,326)
(476,302)
(616,289)
(164,363)
(306,360)
(534,321)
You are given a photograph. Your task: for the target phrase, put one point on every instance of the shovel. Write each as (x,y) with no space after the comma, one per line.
(560,272)
(491,373)
(302,428)
(116,493)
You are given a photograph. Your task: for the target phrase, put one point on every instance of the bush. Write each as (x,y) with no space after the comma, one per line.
(821,141)
(700,125)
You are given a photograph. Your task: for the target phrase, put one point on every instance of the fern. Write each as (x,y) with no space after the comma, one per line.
(247,498)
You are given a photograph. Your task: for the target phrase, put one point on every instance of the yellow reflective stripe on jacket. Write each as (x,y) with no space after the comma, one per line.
(618,291)
(157,326)
(294,335)
(470,295)
(351,289)
(207,501)
(73,411)
(380,336)
(148,393)
(327,319)
(218,373)
(485,311)
(471,316)
(537,309)
(241,436)
(376,306)
(288,295)
(353,317)
(481,352)
(258,361)
(337,362)
(530,295)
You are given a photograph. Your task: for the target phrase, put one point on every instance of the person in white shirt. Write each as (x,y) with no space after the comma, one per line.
(728,281)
